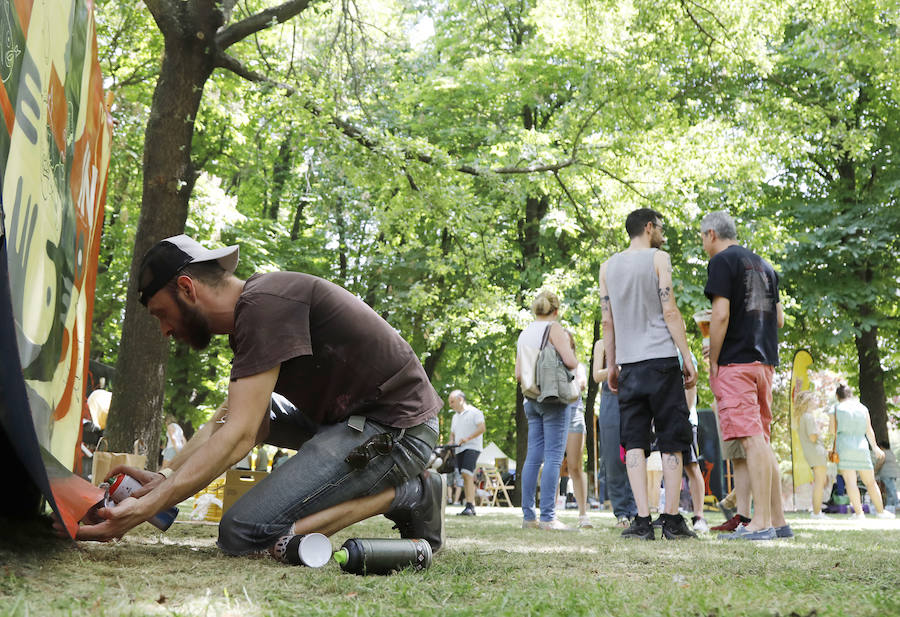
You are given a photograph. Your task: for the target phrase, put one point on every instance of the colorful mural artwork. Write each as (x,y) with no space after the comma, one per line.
(54,154)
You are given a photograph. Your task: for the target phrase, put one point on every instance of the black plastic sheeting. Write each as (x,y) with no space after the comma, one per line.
(21,458)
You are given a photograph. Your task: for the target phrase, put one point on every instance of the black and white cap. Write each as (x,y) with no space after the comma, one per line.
(168,257)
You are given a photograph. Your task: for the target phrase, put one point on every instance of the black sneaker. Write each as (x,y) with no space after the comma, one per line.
(425,520)
(640,529)
(675,528)
(469,510)
(658,521)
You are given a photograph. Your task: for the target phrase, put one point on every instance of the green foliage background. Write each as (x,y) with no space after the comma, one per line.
(503,142)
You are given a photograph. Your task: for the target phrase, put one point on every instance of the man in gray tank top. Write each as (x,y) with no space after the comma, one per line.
(643,331)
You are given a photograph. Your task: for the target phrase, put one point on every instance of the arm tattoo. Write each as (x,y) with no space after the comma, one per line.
(604,304)
(665,294)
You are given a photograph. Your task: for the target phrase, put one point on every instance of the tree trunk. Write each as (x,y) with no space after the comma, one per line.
(871,375)
(169,177)
(433,359)
(298,218)
(281,172)
(529,240)
(871,380)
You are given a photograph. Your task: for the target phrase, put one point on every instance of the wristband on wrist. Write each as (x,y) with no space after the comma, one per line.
(165,472)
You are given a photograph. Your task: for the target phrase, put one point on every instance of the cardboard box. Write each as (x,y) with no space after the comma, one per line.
(238,482)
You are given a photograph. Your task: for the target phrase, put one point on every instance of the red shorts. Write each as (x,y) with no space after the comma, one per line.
(744,397)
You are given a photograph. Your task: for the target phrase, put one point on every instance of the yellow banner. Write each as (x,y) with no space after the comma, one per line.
(802,473)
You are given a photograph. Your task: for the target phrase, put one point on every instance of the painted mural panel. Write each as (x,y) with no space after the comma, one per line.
(54,154)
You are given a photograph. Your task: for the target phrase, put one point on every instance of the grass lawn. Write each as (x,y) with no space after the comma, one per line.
(490,567)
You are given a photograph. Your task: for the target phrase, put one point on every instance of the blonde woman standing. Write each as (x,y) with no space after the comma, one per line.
(548,423)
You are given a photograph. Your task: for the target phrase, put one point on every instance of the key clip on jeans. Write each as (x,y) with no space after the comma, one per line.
(377,445)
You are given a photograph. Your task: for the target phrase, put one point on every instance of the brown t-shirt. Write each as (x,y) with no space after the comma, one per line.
(338,357)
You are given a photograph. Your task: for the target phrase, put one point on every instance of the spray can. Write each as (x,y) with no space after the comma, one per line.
(382,556)
(311,549)
(122,486)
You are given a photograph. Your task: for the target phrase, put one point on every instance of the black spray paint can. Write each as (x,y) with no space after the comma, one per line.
(382,556)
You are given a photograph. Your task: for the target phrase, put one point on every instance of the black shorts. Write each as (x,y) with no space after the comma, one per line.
(692,454)
(467,460)
(652,391)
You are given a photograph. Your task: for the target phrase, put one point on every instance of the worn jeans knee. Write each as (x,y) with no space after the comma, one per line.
(315,479)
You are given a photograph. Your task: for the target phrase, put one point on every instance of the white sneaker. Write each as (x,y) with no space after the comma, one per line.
(555,525)
(818,515)
(530,524)
(701,526)
(885,514)
(584,522)
(858,516)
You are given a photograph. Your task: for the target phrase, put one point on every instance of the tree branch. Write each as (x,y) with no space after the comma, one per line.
(822,170)
(697,24)
(627,184)
(713,15)
(358,135)
(260,21)
(584,223)
(583,126)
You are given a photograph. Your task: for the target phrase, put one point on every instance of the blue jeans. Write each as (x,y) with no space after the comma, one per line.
(890,490)
(317,478)
(548,428)
(617,487)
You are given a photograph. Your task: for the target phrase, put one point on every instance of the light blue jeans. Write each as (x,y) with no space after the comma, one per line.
(548,427)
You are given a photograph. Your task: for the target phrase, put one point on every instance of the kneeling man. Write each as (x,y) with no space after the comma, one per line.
(362,413)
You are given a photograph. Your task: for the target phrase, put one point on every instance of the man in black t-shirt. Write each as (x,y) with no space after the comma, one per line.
(743,351)
(357,406)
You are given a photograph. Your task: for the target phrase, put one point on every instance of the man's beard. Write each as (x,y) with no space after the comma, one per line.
(195,325)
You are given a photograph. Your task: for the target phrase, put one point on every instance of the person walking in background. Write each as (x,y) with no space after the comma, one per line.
(691,461)
(548,423)
(466,431)
(887,474)
(807,426)
(643,331)
(617,486)
(743,353)
(575,445)
(852,427)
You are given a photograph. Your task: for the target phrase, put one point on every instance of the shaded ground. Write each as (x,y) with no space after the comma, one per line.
(491,566)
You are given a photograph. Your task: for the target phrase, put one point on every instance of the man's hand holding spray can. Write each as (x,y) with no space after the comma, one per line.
(119,487)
